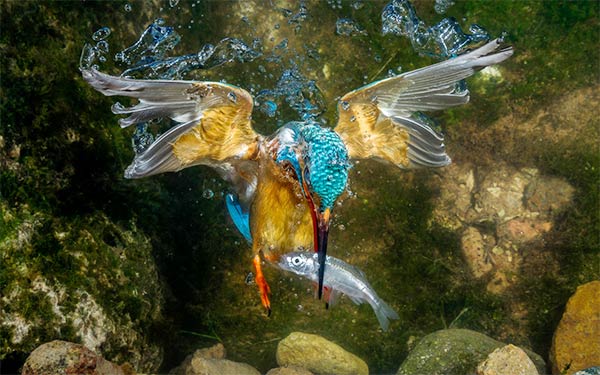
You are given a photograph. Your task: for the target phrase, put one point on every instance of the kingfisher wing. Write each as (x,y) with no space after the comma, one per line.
(381,120)
(213,125)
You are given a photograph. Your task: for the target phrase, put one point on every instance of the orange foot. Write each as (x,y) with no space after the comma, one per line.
(263,287)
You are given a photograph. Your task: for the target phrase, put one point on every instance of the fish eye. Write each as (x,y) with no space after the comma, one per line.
(296,261)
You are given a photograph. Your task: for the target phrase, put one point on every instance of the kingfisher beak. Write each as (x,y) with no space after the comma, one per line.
(322,233)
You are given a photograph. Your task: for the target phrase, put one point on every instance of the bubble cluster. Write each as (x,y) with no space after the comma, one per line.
(348,27)
(300,93)
(441,6)
(141,138)
(443,40)
(147,56)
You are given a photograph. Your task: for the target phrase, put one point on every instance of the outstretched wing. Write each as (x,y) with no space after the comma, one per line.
(380,121)
(214,126)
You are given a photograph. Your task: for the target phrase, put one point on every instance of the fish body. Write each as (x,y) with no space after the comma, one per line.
(340,277)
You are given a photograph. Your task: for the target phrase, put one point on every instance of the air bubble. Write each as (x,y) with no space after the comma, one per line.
(102,46)
(127,7)
(101,34)
(208,194)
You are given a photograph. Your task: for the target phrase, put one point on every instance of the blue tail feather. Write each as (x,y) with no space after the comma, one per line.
(240,218)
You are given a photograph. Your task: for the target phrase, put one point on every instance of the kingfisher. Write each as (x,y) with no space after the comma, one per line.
(285,185)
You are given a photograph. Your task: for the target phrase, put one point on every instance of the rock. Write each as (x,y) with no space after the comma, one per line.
(499,283)
(520,231)
(209,361)
(207,366)
(214,352)
(575,343)
(548,195)
(500,195)
(475,248)
(454,351)
(508,359)
(318,355)
(62,357)
(457,182)
(290,370)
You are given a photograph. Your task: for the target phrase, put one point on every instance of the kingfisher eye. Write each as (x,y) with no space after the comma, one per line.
(296,261)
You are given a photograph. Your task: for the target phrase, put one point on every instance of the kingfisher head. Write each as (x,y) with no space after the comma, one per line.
(319,160)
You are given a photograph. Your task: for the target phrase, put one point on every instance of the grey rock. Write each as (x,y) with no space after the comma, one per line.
(500,195)
(508,359)
(318,355)
(454,351)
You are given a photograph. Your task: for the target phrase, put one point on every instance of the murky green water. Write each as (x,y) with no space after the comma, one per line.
(71,219)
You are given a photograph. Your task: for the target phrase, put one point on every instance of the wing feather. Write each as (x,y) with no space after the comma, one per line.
(378,120)
(214,123)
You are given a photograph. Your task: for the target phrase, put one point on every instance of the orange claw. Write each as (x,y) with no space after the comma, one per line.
(263,287)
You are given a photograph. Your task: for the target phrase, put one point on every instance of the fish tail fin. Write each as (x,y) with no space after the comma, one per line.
(384,314)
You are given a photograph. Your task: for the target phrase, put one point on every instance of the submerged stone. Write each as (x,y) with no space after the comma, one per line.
(454,351)
(318,355)
(575,341)
(212,361)
(62,357)
(509,359)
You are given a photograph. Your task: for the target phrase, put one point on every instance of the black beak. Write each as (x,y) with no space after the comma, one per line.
(322,233)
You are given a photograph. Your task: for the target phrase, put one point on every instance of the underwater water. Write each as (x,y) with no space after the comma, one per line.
(147,271)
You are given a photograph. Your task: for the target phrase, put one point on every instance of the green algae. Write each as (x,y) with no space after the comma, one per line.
(58,271)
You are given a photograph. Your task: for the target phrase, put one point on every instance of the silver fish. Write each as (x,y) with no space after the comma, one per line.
(340,277)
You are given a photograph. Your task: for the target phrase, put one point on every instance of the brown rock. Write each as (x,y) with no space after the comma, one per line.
(209,361)
(318,355)
(456,183)
(548,195)
(498,283)
(206,366)
(475,248)
(290,370)
(62,357)
(508,359)
(519,231)
(214,352)
(575,343)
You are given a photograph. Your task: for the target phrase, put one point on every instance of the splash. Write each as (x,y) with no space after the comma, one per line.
(153,44)
(445,39)
(300,93)
(209,56)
